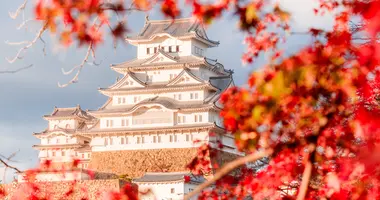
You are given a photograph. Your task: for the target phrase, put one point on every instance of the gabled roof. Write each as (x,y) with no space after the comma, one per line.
(129,75)
(185,71)
(180,62)
(179,28)
(73,112)
(155,57)
(150,177)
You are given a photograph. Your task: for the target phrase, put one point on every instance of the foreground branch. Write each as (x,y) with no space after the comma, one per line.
(306,175)
(9,166)
(228,168)
(15,71)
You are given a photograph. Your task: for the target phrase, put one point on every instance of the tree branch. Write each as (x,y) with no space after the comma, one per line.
(29,44)
(228,168)
(9,166)
(306,175)
(17,70)
(21,8)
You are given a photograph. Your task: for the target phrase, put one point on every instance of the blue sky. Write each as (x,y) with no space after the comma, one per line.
(28,95)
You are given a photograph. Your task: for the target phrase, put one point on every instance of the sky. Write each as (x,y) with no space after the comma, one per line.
(29,94)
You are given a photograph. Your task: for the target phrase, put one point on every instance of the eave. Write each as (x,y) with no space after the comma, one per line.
(149,130)
(56,146)
(111,92)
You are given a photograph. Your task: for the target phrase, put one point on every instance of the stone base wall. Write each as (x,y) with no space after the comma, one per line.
(88,189)
(134,163)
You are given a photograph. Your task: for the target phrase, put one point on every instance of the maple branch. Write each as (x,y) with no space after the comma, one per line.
(9,166)
(228,168)
(21,8)
(306,175)
(29,44)
(90,51)
(17,70)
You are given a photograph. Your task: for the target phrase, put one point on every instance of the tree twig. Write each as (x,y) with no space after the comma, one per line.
(228,168)
(17,70)
(14,15)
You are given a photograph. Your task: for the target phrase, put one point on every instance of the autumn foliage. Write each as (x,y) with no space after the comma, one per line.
(318,110)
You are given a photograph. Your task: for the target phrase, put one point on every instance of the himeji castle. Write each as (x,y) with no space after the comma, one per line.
(145,131)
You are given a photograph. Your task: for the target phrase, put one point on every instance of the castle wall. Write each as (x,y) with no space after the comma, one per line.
(134,163)
(90,189)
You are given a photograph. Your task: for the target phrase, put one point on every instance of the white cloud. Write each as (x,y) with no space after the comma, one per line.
(303,16)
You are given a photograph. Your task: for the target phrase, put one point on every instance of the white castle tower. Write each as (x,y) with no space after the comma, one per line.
(167,98)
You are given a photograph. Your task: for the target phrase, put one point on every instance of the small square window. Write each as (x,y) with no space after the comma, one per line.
(177,48)
(53,153)
(170,49)
(191,95)
(172,190)
(155,49)
(148,51)
(154,139)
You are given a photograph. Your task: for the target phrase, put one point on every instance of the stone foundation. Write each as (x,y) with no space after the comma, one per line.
(134,163)
(88,189)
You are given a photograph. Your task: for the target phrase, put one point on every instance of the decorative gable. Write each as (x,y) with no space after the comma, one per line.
(185,77)
(160,57)
(128,81)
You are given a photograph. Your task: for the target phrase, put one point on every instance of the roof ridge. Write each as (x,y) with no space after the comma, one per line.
(170,20)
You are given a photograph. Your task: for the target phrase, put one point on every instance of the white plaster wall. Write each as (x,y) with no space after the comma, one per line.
(62,124)
(196,43)
(183,141)
(185,96)
(162,191)
(164,41)
(52,177)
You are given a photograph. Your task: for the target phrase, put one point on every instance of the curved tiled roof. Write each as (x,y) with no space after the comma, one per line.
(69,113)
(178,28)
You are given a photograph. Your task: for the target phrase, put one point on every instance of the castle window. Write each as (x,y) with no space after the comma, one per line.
(143,139)
(198,118)
(191,95)
(177,48)
(53,154)
(159,139)
(119,100)
(63,153)
(109,123)
(155,49)
(172,190)
(111,141)
(170,49)
(148,51)
(48,140)
(122,140)
(170,138)
(175,138)
(57,141)
(105,141)
(196,95)
(154,139)
(123,100)
(179,96)
(187,138)
(138,140)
